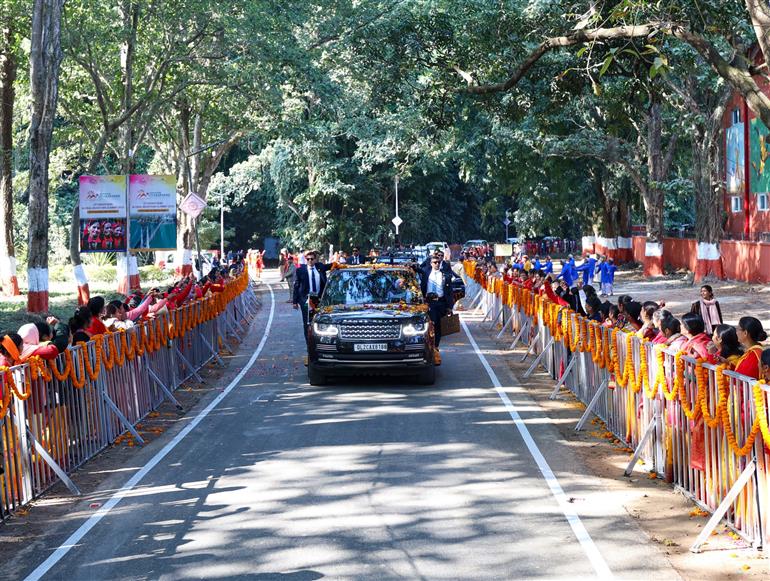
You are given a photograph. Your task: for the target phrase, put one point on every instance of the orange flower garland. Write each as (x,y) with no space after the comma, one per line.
(761,410)
(723,391)
(110,351)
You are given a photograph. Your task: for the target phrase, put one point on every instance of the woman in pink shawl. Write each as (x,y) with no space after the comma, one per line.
(708,308)
(698,341)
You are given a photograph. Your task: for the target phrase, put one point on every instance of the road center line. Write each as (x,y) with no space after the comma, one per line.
(586,542)
(92,521)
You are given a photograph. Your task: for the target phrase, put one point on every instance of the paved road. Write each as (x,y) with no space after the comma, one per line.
(362,480)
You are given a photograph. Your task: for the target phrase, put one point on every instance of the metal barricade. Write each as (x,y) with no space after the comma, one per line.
(693,424)
(62,413)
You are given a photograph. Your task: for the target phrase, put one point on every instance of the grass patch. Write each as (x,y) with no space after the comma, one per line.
(63,299)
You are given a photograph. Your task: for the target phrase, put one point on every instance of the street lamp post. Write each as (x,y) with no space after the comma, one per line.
(221,225)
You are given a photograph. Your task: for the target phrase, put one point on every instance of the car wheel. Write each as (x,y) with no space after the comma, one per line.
(427,376)
(315,377)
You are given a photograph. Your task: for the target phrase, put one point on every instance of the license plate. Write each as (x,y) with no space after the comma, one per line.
(370,347)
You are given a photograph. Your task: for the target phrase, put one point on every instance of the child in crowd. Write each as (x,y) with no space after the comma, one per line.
(607,276)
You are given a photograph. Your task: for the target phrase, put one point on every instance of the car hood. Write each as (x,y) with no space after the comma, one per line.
(342,313)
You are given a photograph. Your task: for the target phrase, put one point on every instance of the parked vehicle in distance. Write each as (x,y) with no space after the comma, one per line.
(442,246)
(371,321)
(397,257)
(421,252)
(473,243)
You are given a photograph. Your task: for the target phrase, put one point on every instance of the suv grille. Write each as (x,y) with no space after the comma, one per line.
(369,330)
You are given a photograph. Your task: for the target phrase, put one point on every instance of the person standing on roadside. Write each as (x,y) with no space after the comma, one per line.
(310,279)
(355,258)
(287,269)
(436,286)
(708,308)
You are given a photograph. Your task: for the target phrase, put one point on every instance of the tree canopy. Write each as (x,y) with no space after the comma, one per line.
(299,115)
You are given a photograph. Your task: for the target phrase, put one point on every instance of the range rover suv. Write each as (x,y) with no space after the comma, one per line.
(371,320)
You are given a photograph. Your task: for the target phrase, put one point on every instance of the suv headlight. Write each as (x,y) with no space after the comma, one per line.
(325,329)
(414,329)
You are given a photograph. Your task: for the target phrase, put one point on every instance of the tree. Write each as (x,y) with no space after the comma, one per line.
(147,47)
(45,60)
(9,41)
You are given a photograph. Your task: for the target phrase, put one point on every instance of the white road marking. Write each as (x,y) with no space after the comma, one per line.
(586,542)
(75,537)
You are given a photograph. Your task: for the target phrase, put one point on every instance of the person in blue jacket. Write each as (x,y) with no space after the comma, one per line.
(548,266)
(607,276)
(588,268)
(569,272)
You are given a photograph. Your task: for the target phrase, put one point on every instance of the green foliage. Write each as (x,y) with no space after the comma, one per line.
(330,101)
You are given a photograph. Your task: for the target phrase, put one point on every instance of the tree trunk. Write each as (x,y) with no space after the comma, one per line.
(653,199)
(708,193)
(653,194)
(130,14)
(128,271)
(45,60)
(8,66)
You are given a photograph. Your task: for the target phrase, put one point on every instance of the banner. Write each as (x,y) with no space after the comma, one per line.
(103,213)
(152,211)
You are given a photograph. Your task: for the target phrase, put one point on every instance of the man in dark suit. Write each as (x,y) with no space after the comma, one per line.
(355,258)
(436,285)
(309,279)
(446,266)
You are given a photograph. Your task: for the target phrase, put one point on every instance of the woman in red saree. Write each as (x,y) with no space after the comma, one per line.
(750,334)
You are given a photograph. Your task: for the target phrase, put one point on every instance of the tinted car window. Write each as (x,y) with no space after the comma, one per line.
(359,287)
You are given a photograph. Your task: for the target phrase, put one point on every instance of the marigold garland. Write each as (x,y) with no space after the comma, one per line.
(78,381)
(723,391)
(578,334)
(761,410)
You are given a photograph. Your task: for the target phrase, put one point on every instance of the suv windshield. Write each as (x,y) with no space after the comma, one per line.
(371,286)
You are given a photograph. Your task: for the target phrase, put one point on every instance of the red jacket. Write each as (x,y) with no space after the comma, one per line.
(96,327)
(553,296)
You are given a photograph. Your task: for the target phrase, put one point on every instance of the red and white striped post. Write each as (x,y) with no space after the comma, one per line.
(81,278)
(183,262)
(37,298)
(8,276)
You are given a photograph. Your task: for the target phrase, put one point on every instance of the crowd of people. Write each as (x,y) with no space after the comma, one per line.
(700,332)
(46,339)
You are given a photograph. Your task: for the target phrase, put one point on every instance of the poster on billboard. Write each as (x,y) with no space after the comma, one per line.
(736,148)
(152,212)
(103,213)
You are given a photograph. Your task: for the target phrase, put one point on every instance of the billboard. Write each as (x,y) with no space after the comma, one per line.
(735,174)
(103,213)
(503,249)
(152,212)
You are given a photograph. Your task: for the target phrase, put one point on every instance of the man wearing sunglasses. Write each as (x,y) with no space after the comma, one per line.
(436,286)
(310,279)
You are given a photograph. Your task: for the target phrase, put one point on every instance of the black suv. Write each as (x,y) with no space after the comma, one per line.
(371,320)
